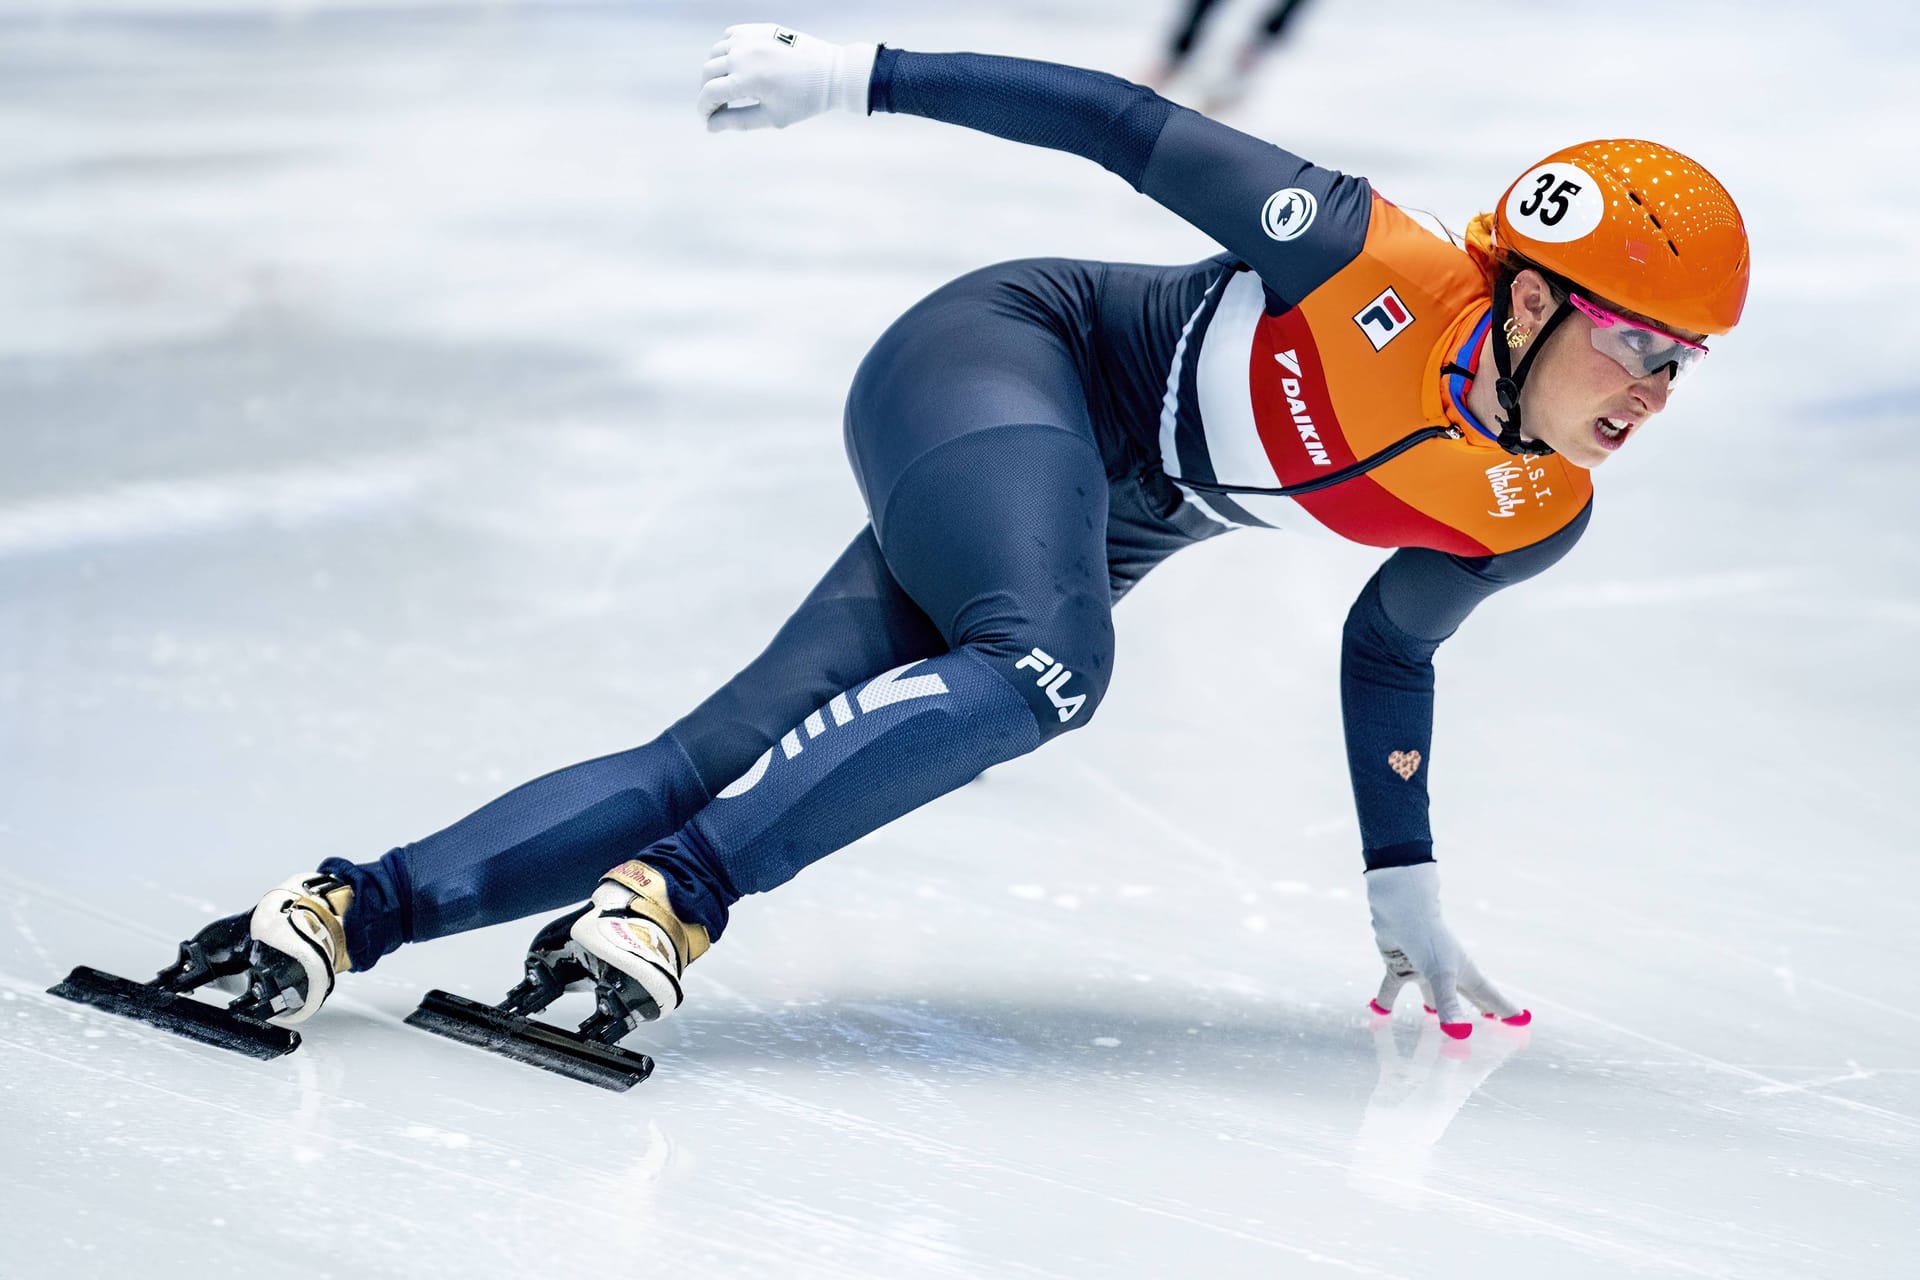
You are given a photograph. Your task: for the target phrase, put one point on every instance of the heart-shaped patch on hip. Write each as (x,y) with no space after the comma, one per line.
(1405,763)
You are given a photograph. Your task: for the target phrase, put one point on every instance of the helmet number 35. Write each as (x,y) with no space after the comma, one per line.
(1558,199)
(1555,203)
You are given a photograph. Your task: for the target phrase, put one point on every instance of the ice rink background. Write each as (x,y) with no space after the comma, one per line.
(401,400)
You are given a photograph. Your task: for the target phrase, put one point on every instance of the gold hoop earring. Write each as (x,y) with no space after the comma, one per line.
(1516,336)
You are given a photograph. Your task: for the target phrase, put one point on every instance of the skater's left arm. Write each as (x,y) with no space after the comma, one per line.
(1294,223)
(1417,600)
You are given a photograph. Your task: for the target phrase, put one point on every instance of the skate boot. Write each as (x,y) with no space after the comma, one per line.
(299,944)
(634,945)
(285,952)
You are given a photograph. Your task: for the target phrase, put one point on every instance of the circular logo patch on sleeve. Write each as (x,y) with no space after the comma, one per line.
(1288,213)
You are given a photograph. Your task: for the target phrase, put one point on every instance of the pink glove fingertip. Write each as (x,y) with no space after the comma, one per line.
(1519,1019)
(1375,1006)
(1458,1030)
(1429,1008)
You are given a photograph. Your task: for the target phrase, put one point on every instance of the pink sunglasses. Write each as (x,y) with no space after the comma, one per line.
(1641,349)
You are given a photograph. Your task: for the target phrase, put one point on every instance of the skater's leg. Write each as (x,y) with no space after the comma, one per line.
(1188,32)
(969,433)
(1235,83)
(1179,46)
(544,844)
(1278,17)
(855,624)
(999,535)
(536,848)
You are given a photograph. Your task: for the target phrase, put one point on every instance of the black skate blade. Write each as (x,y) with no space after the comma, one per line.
(536,1043)
(180,1014)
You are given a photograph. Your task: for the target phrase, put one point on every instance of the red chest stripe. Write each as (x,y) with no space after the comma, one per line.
(1302,437)
(1292,410)
(1361,510)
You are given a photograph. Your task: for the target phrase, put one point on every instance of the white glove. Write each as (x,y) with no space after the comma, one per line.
(1418,947)
(761,76)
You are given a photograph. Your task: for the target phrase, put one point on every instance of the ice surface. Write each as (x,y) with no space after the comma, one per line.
(400,400)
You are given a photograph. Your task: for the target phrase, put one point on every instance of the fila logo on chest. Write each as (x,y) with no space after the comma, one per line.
(1384,319)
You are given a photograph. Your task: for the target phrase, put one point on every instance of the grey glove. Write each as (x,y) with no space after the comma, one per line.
(1418,947)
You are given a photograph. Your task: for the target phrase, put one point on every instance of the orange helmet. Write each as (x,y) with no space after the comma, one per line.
(1637,223)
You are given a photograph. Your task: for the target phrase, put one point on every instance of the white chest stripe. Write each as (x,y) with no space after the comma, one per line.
(1170,408)
(1223,385)
(1226,395)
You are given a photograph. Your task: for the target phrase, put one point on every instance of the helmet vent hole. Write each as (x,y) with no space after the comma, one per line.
(1655,221)
(1676,248)
(1635,197)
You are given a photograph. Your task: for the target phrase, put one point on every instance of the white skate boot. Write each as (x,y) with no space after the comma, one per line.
(299,943)
(635,944)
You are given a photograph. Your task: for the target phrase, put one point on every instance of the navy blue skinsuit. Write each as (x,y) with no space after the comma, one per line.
(1004,433)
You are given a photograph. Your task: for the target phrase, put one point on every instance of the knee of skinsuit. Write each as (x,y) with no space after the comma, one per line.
(1062,677)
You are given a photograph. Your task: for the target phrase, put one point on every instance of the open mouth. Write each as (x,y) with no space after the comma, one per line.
(1611,433)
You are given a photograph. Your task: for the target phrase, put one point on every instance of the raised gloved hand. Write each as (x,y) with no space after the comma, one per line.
(1418,947)
(761,76)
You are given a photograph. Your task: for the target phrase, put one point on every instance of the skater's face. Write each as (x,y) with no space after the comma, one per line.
(1578,398)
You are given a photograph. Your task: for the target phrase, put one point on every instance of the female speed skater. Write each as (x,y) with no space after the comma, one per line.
(1031,439)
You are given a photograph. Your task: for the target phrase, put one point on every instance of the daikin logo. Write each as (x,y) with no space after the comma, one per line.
(1297,408)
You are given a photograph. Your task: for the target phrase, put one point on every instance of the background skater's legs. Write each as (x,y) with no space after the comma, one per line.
(1277,19)
(1180,44)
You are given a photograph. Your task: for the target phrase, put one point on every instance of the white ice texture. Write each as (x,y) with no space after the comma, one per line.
(401,400)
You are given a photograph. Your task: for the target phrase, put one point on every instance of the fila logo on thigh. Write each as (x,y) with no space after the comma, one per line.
(1053,678)
(881,691)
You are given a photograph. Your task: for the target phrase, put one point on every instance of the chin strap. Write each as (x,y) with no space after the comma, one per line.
(1507,389)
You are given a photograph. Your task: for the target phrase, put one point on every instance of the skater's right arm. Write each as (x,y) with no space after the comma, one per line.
(1294,223)
(1414,603)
